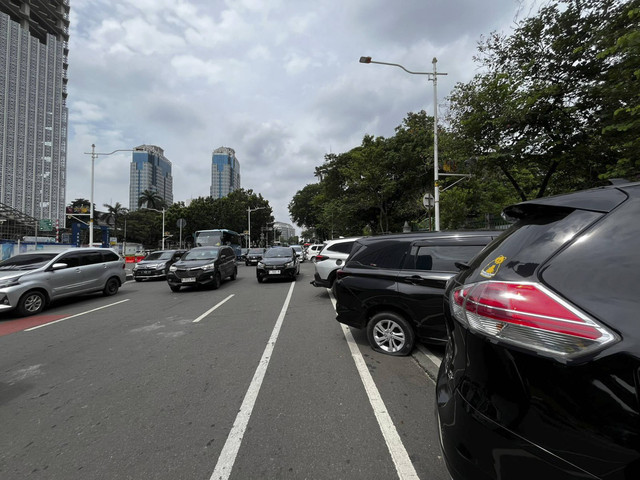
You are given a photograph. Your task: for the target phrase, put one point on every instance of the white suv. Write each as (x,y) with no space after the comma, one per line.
(330,259)
(314,250)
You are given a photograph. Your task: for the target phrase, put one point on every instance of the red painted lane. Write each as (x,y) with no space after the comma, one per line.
(12,326)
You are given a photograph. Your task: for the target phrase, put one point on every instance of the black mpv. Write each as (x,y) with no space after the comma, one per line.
(541,373)
(203,266)
(393,285)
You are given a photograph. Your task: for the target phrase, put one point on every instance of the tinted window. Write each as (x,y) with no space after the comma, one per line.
(201,254)
(159,256)
(91,258)
(342,247)
(440,258)
(71,259)
(383,254)
(279,252)
(600,272)
(108,256)
(26,262)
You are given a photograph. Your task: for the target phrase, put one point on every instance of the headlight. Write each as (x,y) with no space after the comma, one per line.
(9,282)
(209,266)
(261,265)
(158,266)
(289,264)
(173,268)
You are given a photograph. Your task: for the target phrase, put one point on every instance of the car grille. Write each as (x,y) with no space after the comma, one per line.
(274,267)
(188,273)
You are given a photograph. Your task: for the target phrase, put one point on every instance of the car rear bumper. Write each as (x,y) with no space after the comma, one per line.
(474,446)
(319,282)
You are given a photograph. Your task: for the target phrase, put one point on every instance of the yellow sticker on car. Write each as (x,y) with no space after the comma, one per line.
(492,268)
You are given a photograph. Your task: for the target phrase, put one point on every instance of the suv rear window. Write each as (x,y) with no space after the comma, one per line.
(441,258)
(383,254)
(342,247)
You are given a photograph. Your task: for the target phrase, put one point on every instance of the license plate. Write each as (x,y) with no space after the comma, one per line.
(274,272)
(188,280)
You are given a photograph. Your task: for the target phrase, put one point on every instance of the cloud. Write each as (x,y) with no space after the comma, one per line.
(277,81)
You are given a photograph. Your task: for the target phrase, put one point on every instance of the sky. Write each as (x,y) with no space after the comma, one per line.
(279,81)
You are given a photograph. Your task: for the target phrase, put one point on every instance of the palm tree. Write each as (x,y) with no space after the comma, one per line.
(113,214)
(151,199)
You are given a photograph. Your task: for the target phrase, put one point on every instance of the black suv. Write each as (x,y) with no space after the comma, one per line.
(541,373)
(393,285)
(203,266)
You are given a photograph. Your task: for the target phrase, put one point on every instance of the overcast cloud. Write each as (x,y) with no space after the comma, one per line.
(276,80)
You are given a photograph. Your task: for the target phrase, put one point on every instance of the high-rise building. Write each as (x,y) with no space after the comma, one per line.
(286,231)
(34,44)
(225,172)
(150,170)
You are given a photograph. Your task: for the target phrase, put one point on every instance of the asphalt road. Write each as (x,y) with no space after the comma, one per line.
(247,381)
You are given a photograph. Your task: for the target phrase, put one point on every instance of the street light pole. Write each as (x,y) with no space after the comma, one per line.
(249,210)
(159,211)
(95,155)
(434,78)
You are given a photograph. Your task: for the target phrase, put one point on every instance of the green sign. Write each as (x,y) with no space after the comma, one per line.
(45,225)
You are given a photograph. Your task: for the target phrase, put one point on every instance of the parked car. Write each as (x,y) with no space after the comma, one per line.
(203,266)
(299,252)
(156,264)
(278,262)
(541,372)
(243,255)
(393,285)
(329,260)
(254,256)
(313,250)
(30,281)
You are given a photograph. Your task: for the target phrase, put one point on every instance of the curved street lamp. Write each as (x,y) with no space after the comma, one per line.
(432,76)
(159,211)
(95,155)
(249,210)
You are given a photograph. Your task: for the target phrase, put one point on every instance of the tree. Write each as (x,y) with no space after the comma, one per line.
(151,199)
(114,214)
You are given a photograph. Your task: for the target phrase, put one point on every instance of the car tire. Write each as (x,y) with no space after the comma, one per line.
(391,334)
(217,281)
(31,303)
(138,279)
(174,288)
(235,273)
(260,279)
(111,287)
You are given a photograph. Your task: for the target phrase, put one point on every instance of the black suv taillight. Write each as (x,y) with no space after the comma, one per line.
(528,315)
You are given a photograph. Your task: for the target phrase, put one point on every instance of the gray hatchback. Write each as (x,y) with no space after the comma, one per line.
(30,281)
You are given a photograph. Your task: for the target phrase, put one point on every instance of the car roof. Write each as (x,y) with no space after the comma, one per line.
(413,236)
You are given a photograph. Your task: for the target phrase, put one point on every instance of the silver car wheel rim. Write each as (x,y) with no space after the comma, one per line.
(389,336)
(33,303)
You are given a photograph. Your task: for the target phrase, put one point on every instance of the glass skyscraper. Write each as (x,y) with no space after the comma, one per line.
(34,38)
(225,172)
(150,170)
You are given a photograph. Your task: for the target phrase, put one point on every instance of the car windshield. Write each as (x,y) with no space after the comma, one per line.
(201,254)
(159,256)
(26,261)
(297,248)
(278,253)
(256,250)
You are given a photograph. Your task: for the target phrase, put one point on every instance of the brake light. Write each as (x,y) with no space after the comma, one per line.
(528,315)
(320,258)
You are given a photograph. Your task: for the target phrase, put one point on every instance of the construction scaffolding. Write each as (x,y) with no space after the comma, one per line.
(15,226)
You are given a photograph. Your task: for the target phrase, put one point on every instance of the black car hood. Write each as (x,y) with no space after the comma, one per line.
(192,263)
(277,261)
(151,262)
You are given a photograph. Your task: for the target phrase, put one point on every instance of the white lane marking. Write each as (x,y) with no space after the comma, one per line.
(399,454)
(76,315)
(232,445)
(212,309)
(436,361)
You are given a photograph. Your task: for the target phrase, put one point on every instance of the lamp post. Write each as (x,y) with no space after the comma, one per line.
(159,211)
(95,155)
(249,210)
(432,76)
